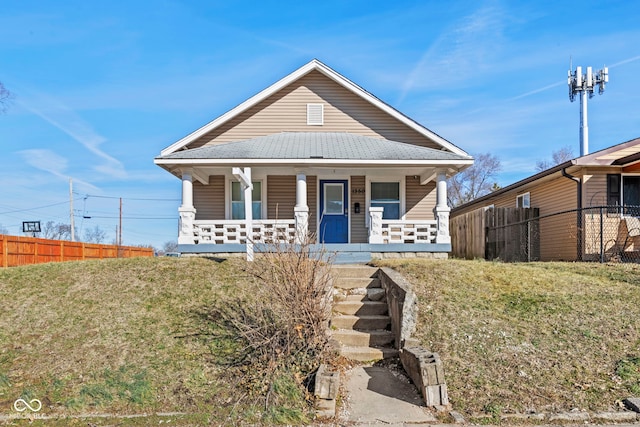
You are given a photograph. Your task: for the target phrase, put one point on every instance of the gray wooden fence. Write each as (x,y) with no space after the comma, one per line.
(509,234)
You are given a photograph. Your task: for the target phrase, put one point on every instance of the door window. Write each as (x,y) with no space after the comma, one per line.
(333,199)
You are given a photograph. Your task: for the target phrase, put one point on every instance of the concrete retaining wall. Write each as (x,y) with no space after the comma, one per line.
(423,367)
(403,305)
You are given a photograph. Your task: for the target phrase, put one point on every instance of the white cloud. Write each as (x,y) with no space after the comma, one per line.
(68,121)
(458,54)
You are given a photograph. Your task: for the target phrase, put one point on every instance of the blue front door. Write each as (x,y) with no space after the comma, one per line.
(334,211)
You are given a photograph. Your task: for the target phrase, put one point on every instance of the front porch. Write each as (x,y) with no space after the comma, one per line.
(380,237)
(365,195)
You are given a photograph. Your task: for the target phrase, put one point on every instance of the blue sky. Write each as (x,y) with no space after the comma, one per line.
(102,86)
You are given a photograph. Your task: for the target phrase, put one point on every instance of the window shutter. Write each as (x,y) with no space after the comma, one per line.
(315,114)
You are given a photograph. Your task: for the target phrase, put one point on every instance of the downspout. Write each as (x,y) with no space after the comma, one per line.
(578,181)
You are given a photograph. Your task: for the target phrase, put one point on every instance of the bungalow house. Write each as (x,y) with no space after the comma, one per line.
(588,206)
(314,154)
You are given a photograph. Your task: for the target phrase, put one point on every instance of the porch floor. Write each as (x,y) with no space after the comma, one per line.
(342,253)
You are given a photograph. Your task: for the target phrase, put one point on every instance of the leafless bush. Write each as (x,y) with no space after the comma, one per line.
(279,321)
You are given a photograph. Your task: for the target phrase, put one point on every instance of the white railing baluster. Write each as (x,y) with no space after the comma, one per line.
(231,231)
(398,231)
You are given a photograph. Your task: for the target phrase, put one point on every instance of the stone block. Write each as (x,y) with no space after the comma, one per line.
(435,395)
(375,294)
(427,373)
(325,408)
(327,383)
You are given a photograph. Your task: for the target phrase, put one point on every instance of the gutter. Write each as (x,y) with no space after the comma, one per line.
(578,182)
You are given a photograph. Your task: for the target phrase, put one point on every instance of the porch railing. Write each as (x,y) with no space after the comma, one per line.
(280,231)
(398,231)
(235,231)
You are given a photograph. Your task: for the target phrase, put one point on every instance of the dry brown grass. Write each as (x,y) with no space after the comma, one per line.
(531,337)
(103,336)
(135,336)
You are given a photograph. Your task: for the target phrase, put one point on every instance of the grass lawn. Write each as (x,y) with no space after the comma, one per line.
(530,337)
(118,336)
(130,336)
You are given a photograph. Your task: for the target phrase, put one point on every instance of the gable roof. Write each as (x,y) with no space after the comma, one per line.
(313,65)
(316,148)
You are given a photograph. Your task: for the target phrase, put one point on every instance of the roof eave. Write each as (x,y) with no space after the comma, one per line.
(521,183)
(311,162)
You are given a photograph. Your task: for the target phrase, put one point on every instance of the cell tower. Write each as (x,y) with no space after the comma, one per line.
(584,84)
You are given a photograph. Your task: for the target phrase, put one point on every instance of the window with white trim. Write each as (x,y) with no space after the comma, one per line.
(315,114)
(386,195)
(523,201)
(237,200)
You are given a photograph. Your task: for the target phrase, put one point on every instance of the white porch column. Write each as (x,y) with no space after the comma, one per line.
(441,211)
(186,211)
(248,212)
(301,210)
(375,225)
(244,178)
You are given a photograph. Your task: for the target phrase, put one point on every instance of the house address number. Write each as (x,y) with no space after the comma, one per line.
(357,190)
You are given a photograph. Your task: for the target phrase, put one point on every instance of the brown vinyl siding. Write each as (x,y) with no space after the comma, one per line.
(595,190)
(286,111)
(312,197)
(281,196)
(558,234)
(209,199)
(420,199)
(359,231)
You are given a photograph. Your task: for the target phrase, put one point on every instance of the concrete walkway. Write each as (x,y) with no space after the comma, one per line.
(381,395)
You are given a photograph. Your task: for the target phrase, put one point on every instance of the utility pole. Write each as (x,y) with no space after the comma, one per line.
(71,220)
(120,228)
(583,84)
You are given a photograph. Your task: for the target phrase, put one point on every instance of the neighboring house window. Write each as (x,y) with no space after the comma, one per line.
(237,200)
(623,190)
(386,195)
(631,190)
(613,190)
(523,201)
(315,114)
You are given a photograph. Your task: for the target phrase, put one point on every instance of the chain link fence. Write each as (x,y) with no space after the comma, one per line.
(600,234)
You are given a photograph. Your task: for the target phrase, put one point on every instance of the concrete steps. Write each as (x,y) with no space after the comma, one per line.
(368,354)
(363,308)
(360,322)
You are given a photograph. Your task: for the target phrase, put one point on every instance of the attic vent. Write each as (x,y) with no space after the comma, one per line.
(315,114)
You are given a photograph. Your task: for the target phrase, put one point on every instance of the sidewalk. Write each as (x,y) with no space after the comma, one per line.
(381,395)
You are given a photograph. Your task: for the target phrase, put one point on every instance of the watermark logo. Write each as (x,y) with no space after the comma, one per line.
(21,405)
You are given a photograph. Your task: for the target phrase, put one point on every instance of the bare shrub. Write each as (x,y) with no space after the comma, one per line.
(277,326)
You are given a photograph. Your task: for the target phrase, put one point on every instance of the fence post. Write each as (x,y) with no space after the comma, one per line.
(5,252)
(601,236)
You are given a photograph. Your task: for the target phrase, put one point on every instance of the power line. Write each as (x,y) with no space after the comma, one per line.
(33,209)
(130,217)
(129,198)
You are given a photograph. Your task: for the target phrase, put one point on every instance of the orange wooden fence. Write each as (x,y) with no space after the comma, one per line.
(18,250)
